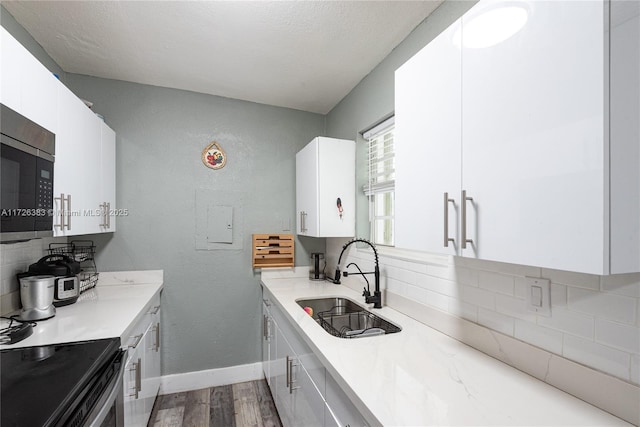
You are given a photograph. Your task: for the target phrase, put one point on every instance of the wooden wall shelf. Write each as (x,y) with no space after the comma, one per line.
(273,250)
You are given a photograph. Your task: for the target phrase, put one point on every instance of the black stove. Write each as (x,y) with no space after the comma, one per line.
(51,385)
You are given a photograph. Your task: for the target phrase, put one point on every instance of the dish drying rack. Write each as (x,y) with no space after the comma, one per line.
(355,324)
(82,251)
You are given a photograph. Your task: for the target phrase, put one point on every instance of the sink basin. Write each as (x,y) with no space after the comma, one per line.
(337,305)
(344,318)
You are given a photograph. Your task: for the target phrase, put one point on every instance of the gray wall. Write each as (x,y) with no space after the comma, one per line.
(211,302)
(373,98)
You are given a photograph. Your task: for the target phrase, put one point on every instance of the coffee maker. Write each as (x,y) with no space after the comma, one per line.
(36,296)
(316,269)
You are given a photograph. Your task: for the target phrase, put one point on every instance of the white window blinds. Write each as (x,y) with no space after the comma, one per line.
(381,158)
(381,182)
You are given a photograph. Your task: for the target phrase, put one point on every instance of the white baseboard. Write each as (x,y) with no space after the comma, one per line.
(210,378)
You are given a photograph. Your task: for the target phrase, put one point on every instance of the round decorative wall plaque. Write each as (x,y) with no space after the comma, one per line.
(214,156)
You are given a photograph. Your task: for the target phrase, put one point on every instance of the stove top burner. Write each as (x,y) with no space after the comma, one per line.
(38,384)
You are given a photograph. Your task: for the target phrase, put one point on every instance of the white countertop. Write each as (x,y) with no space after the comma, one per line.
(420,376)
(109,310)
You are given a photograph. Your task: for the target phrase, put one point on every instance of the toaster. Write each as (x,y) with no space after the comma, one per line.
(66,270)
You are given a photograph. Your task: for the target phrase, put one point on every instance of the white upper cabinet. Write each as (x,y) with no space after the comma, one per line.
(77,181)
(549,137)
(84,167)
(108,178)
(428,143)
(27,86)
(533,147)
(325,188)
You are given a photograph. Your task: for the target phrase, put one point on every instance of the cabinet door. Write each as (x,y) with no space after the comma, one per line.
(266,342)
(70,155)
(341,412)
(280,373)
(77,166)
(151,375)
(307,189)
(308,404)
(39,93)
(533,126)
(133,401)
(108,177)
(88,172)
(336,180)
(13,56)
(428,146)
(27,86)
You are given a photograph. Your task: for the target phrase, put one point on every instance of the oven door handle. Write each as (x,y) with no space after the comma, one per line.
(109,397)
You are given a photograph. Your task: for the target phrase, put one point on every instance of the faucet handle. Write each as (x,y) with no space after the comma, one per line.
(366,293)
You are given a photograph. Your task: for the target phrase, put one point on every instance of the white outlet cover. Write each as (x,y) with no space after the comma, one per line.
(538,295)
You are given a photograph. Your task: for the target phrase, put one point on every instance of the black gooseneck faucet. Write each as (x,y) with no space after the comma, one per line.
(376,299)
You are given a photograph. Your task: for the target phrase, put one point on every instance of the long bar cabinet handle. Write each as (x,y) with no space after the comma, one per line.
(464,201)
(291,380)
(447,239)
(288,373)
(157,337)
(68,211)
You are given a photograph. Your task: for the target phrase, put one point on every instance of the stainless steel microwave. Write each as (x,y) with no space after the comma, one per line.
(26,178)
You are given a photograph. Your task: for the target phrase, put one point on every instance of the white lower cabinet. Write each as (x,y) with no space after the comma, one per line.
(142,370)
(339,409)
(297,378)
(132,388)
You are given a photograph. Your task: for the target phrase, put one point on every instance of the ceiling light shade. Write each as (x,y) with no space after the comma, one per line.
(492,24)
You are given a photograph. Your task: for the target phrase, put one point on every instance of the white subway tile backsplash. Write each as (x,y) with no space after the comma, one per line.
(463,310)
(441,271)
(436,300)
(520,287)
(477,296)
(401,274)
(441,286)
(558,295)
(396,286)
(542,337)
(623,284)
(606,359)
(569,322)
(618,335)
(465,276)
(594,320)
(417,294)
(635,368)
(496,321)
(15,258)
(514,307)
(498,267)
(581,280)
(610,306)
(495,282)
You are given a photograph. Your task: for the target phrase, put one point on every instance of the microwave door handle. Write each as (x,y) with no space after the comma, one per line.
(62,200)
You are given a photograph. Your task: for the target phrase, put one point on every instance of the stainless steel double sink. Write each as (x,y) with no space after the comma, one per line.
(344,318)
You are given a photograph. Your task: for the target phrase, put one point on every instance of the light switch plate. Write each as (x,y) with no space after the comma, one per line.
(538,295)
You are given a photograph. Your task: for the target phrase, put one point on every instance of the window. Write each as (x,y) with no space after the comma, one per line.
(381,182)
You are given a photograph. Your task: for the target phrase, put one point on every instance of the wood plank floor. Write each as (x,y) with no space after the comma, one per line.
(236,405)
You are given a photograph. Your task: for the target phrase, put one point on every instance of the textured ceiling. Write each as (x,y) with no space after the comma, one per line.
(305,55)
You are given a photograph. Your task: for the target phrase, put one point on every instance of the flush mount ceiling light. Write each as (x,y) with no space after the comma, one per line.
(492,25)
